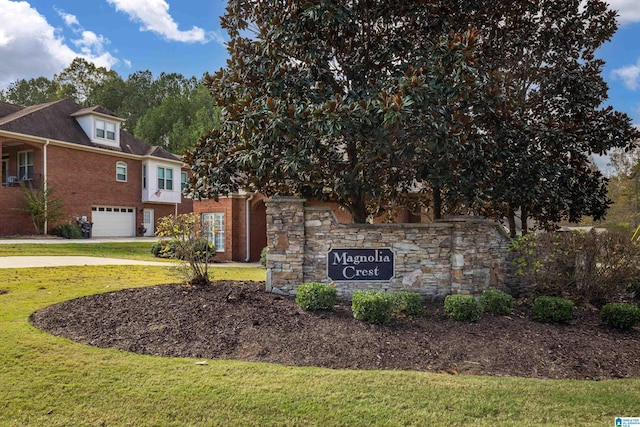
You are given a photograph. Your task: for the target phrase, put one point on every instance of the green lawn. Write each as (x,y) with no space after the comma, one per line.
(51,381)
(129,250)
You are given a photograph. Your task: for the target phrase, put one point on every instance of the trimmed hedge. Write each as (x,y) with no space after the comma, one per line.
(408,303)
(462,307)
(68,231)
(548,309)
(620,315)
(316,296)
(373,306)
(496,302)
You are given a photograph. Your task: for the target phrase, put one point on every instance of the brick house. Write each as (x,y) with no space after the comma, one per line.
(102,173)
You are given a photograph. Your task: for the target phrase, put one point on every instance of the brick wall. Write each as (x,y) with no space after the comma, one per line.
(464,255)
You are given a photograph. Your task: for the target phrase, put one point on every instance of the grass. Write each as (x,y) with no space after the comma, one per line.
(128,250)
(47,380)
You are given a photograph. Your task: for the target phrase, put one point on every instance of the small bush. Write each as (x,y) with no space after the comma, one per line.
(164,249)
(372,306)
(548,309)
(68,231)
(620,316)
(263,256)
(316,296)
(496,302)
(408,303)
(462,307)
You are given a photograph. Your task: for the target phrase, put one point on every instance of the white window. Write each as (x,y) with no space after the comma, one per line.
(25,165)
(183,181)
(105,130)
(144,176)
(121,171)
(165,179)
(213,227)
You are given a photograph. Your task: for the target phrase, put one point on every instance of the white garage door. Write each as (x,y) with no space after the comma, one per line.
(109,221)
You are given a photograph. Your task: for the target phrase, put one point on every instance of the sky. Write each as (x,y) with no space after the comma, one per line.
(42,37)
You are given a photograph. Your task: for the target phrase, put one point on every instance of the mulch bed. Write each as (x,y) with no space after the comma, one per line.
(241,321)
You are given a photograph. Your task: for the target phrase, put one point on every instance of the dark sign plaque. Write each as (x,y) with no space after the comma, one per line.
(371,265)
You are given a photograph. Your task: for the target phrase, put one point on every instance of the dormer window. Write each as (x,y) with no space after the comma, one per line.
(105,130)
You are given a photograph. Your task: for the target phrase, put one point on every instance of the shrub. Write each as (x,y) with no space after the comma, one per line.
(316,296)
(263,256)
(620,316)
(68,231)
(164,249)
(372,306)
(587,267)
(548,309)
(187,243)
(462,307)
(408,303)
(496,302)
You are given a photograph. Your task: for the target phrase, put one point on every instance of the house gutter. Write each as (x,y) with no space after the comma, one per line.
(248,227)
(44,186)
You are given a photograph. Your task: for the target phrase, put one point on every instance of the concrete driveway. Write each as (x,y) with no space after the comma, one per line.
(58,261)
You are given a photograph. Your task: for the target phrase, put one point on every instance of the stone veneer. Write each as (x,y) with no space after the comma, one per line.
(461,255)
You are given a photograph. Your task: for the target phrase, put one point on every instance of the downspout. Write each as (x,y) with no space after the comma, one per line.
(44,187)
(248,227)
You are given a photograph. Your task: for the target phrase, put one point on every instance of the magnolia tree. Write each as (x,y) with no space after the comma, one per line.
(478,106)
(189,245)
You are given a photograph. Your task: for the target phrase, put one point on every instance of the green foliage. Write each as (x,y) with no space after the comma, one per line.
(549,309)
(620,315)
(186,242)
(462,307)
(34,91)
(41,206)
(316,296)
(372,306)
(358,101)
(70,230)
(263,256)
(353,107)
(496,302)
(80,79)
(408,303)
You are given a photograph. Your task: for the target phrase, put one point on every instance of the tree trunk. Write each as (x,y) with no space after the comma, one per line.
(437,203)
(511,217)
(358,211)
(524,214)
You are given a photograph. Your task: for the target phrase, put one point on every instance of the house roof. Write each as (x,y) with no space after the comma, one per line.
(6,108)
(56,121)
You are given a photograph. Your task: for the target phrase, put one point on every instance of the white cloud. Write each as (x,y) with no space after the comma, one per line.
(30,47)
(69,19)
(154,16)
(628,10)
(630,75)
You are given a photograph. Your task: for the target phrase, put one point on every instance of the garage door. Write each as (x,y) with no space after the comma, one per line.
(109,221)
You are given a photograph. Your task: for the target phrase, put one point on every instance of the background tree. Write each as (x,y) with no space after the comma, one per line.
(80,78)
(30,92)
(172,111)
